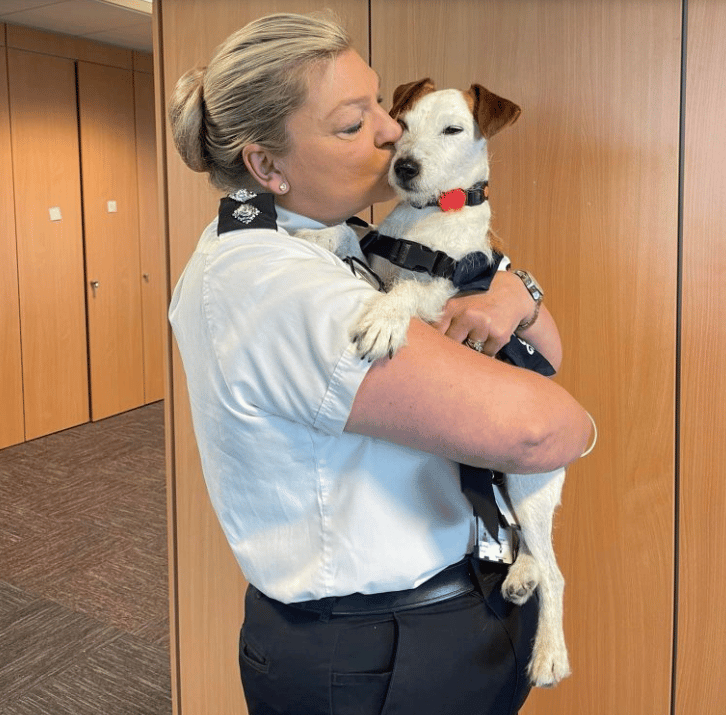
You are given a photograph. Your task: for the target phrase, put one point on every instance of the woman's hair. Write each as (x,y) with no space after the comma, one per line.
(256,79)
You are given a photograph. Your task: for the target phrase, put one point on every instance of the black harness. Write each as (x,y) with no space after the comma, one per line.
(474,271)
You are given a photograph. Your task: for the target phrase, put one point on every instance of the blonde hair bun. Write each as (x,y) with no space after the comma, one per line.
(186,115)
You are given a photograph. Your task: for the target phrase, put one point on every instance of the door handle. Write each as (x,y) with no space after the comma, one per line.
(94,287)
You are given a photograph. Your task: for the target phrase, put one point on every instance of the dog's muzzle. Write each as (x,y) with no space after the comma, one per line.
(406,170)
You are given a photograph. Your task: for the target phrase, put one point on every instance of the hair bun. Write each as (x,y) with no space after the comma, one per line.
(186,116)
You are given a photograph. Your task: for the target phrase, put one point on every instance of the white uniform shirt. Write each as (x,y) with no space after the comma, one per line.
(262,322)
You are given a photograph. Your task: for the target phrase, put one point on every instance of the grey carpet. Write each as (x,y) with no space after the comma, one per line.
(84,625)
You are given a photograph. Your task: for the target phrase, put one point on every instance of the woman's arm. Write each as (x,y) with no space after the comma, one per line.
(438,396)
(493,317)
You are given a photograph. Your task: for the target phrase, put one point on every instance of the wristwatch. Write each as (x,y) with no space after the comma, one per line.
(535,290)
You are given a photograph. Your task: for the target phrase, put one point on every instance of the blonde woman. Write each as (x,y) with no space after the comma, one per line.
(335,480)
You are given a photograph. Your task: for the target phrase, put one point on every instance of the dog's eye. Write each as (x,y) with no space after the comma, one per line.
(452,130)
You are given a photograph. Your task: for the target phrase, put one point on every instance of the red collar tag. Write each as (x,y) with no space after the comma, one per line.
(453,200)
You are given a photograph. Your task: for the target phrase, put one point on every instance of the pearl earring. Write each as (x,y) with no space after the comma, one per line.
(283,187)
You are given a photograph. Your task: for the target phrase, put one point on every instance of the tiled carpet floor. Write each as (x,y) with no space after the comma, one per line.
(84,626)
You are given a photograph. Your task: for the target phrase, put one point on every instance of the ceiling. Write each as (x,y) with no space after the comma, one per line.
(126,23)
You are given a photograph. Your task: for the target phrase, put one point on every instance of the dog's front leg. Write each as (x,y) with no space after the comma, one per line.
(382,328)
(534,500)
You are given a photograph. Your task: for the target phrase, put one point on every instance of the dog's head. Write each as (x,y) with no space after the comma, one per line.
(445,132)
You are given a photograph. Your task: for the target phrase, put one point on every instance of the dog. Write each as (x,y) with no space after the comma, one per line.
(440,173)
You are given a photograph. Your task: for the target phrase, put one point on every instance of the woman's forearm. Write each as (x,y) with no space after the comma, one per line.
(441,397)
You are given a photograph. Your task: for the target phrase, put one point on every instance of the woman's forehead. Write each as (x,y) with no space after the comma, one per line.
(341,81)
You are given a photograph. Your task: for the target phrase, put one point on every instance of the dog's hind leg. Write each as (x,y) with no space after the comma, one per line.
(534,499)
(523,576)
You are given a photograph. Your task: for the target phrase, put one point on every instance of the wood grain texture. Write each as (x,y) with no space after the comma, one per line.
(50,253)
(12,429)
(209,586)
(143,62)
(153,303)
(75,48)
(108,153)
(583,190)
(700,686)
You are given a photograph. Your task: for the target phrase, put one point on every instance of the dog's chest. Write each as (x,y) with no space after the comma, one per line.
(453,232)
(456,233)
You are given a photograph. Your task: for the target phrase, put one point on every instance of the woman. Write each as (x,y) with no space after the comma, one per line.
(335,480)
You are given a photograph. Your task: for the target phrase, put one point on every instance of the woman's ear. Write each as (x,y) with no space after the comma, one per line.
(263,168)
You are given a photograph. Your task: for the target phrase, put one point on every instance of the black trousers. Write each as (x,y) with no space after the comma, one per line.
(463,656)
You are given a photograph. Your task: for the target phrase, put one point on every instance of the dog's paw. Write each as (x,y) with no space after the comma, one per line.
(381,330)
(548,666)
(522,579)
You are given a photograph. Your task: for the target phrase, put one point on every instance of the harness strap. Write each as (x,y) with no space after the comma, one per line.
(409,255)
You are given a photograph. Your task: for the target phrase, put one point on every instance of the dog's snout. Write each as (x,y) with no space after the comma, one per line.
(406,170)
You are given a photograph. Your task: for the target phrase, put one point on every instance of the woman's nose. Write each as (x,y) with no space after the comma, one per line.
(389,131)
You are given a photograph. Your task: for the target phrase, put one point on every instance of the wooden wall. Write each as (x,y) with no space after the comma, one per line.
(581,192)
(11,385)
(47,178)
(585,193)
(113,253)
(700,683)
(56,226)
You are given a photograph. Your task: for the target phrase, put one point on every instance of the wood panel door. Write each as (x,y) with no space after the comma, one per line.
(583,190)
(12,429)
(111,220)
(46,173)
(150,246)
(700,685)
(207,586)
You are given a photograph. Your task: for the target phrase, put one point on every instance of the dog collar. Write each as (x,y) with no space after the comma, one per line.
(456,199)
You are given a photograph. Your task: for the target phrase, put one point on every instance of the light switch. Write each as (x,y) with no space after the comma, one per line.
(55,213)
(111,207)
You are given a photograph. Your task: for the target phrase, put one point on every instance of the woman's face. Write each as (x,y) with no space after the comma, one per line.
(341,143)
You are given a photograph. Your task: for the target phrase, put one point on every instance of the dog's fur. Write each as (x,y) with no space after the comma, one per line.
(444,146)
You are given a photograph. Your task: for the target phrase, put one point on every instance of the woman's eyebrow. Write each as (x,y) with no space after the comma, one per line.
(356,101)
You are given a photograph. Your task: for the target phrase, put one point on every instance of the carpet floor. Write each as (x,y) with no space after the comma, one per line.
(84,623)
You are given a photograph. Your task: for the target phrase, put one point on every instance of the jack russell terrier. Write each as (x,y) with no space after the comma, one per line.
(435,243)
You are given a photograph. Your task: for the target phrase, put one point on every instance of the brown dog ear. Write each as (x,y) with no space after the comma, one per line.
(492,113)
(405,95)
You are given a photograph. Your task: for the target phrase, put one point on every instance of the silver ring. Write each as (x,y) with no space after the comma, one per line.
(475,345)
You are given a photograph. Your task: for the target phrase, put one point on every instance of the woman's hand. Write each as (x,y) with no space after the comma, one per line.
(492,318)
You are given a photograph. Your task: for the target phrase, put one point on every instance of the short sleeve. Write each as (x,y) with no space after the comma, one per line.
(279,313)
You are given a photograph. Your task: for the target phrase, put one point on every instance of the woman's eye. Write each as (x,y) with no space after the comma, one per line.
(403,125)
(354,129)
(453,130)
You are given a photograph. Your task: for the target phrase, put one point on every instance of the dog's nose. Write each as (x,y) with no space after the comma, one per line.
(406,170)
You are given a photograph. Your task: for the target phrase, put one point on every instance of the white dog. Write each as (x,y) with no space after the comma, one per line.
(440,172)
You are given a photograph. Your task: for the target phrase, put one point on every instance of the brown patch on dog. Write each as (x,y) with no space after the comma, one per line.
(406,95)
(492,113)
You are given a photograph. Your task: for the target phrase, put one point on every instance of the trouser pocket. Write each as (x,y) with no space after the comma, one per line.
(362,666)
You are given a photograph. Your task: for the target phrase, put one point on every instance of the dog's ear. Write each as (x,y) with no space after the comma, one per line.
(405,95)
(492,113)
